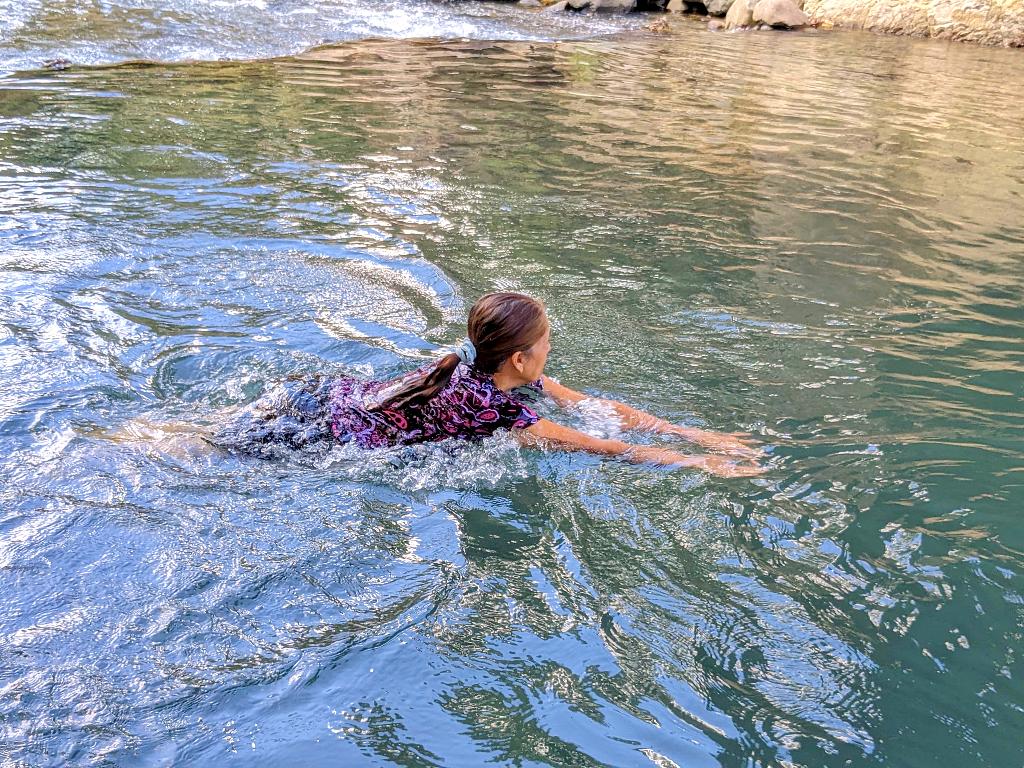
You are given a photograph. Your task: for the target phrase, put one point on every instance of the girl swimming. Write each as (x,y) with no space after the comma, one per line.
(471,392)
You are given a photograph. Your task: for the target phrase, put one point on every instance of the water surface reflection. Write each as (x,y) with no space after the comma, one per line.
(819,246)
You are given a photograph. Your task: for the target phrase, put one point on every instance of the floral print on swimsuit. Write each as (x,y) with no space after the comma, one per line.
(469,408)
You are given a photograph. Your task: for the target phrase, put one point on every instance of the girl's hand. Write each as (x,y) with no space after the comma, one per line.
(739,444)
(734,443)
(713,465)
(723,467)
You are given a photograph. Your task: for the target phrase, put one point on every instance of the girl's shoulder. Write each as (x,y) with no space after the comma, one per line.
(477,399)
(481,386)
(470,387)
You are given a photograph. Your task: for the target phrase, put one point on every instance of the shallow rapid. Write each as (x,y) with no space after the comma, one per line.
(813,237)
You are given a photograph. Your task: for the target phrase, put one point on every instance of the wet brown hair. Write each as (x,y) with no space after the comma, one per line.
(500,324)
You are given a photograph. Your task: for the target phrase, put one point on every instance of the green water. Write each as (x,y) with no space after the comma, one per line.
(814,237)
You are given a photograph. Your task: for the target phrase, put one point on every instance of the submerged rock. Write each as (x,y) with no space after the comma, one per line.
(780,14)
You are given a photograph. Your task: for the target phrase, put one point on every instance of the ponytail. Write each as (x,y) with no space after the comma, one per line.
(417,388)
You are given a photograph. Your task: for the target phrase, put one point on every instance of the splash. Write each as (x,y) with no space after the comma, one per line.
(77,32)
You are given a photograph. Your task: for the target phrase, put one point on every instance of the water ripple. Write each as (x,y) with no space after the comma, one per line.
(716,241)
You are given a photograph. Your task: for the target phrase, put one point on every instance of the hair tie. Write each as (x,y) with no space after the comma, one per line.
(465,351)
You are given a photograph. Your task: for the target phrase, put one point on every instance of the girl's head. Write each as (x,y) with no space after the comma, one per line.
(510,333)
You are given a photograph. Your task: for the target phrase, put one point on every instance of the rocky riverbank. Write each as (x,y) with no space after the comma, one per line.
(987,22)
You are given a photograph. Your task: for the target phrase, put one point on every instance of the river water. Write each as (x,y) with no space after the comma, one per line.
(814,237)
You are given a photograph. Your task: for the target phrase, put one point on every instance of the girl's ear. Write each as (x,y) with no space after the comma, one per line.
(518,361)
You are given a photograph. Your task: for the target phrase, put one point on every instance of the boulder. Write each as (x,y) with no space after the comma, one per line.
(779,13)
(740,15)
(989,22)
(605,6)
(718,7)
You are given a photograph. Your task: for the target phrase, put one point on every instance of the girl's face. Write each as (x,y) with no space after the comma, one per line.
(536,356)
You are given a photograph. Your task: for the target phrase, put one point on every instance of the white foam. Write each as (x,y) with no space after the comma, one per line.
(432,466)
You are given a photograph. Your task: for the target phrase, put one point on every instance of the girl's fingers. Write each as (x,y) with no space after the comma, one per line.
(738,448)
(748,471)
(744,455)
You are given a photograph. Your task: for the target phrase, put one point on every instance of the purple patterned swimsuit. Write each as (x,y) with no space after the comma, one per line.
(309,414)
(470,407)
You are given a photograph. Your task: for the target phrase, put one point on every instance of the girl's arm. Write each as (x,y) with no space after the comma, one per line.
(737,443)
(548,434)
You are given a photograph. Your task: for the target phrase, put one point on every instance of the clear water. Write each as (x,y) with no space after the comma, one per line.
(814,237)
